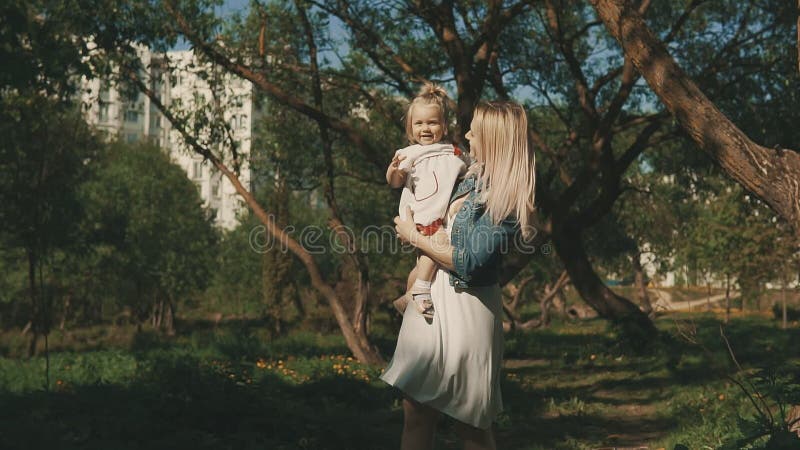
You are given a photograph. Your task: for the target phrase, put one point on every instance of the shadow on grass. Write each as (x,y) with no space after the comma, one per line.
(201,390)
(178,403)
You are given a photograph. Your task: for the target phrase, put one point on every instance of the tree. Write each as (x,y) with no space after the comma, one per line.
(41,55)
(771,174)
(595,120)
(470,56)
(43,157)
(145,208)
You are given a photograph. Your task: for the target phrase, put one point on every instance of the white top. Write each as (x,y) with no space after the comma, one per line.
(432,173)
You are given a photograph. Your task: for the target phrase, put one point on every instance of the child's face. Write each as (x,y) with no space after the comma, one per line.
(427,124)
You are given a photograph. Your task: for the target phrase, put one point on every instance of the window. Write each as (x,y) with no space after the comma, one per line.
(197,169)
(131,137)
(104,91)
(215,189)
(131,116)
(102,114)
(155,121)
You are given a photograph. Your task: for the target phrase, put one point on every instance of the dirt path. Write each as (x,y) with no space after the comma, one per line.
(665,302)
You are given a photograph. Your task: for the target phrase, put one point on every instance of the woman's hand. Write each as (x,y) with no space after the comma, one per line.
(437,247)
(407,229)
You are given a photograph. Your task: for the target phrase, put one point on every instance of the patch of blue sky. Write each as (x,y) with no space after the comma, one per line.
(225,10)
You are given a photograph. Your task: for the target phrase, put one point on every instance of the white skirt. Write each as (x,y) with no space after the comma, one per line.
(453,364)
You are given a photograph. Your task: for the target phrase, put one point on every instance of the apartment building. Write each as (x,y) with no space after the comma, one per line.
(180,80)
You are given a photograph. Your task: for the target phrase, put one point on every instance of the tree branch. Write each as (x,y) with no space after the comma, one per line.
(277,93)
(585,96)
(374,41)
(354,341)
(773,176)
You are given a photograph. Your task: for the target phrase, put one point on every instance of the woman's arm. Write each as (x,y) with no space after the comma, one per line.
(437,247)
(479,247)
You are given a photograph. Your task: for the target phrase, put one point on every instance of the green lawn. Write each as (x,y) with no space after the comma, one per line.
(572,386)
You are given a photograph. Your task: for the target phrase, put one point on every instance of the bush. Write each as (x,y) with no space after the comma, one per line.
(792,313)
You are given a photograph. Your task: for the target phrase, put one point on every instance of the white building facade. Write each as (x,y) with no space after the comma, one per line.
(179,80)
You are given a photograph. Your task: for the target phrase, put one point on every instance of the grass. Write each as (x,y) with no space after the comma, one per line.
(571,386)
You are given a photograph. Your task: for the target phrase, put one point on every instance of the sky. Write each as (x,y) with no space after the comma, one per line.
(228,7)
(234,5)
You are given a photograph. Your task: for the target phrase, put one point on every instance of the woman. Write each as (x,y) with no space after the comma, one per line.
(452,365)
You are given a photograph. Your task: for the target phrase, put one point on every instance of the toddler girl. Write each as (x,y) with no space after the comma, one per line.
(427,170)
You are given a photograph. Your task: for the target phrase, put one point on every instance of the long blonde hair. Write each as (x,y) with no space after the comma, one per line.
(429,94)
(505,162)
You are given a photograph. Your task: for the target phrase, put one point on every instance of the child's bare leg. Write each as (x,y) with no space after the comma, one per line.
(412,276)
(401,303)
(421,290)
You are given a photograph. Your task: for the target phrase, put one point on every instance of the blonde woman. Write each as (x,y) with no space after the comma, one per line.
(453,366)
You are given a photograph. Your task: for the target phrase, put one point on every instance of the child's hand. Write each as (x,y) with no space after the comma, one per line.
(395,176)
(395,165)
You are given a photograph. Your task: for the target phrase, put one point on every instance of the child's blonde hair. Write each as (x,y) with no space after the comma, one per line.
(429,94)
(507,163)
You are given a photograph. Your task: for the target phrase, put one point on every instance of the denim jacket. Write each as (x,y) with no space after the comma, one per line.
(478,244)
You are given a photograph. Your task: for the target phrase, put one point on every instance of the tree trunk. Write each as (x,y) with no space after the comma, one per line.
(741,301)
(633,322)
(362,349)
(772,175)
(641,287)
(783,303)
(560,303)
(169,317)
(727,298)
(35,303)
(275,265)
(65,312)
(158,308)
(544,311)
(360,286)
(546,302)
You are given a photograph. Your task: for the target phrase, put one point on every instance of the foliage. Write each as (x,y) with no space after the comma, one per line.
(46,152)
(567,387)
(772,390)
(152,235)
(41,55)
